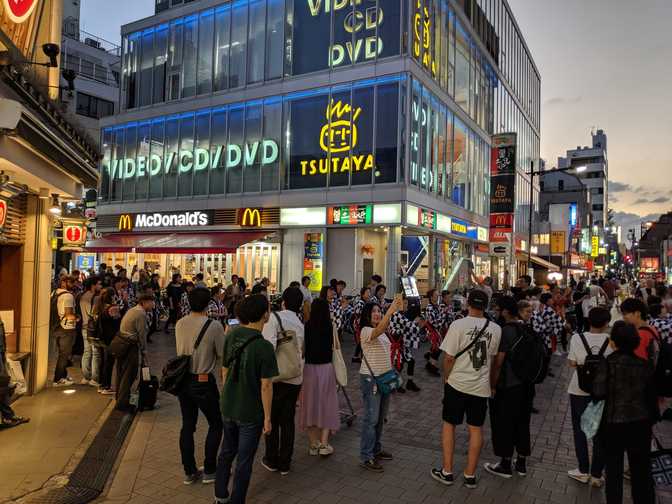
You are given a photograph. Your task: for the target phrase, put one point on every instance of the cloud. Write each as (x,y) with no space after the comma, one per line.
(631,220)
(615,186)
(641,201)
(644,201)
(558,100)
(660,199)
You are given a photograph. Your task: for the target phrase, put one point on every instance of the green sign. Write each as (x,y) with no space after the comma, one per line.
(350,215)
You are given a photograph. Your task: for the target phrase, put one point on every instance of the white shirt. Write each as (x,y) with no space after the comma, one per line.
(578,354)
(307,295)
(471,371)
(64,301)
(377,352)
(291,322)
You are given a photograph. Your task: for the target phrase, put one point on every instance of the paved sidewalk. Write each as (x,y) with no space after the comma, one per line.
(150,470)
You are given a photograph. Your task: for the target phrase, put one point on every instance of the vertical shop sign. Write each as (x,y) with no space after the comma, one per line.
(502,186)
(3,213)
(595,246)
(419,172)
(558,242)
(423,49)
(312,259)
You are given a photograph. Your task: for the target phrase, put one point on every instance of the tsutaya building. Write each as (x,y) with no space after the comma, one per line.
(334,138)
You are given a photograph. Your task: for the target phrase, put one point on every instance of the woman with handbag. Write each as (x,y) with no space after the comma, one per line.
(107,311)
(319,404)
(625,383)
(377,380)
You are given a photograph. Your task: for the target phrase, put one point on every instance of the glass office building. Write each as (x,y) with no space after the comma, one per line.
(324,107)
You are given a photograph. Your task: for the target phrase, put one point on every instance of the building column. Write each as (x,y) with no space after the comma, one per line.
(392,256)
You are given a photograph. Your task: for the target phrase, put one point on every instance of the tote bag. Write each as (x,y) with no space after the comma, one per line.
(337,360)
(591,418)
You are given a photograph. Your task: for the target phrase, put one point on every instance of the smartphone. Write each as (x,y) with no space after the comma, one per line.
(233,322)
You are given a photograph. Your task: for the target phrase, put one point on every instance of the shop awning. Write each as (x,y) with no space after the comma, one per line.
(539,261)
(175,243)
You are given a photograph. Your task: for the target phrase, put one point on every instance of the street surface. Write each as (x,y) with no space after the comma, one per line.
(150,471)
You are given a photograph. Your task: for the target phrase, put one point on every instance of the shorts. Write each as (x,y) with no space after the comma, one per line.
(456,404)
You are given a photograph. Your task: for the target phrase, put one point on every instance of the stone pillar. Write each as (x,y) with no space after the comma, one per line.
(392,256)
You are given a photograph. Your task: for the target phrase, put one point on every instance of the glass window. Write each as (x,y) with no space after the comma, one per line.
(415,143)
(218,150)
(185,158)
(460,164)
(442,23)
(256,41)
(337,134)
(234,149)
(132,70)
(222,36)
(433,167)
(130,163)
(308,163)
(171,157)
(426,141)
(388,23)
(202,153)
(238,44)
(190,56)
(387,116)
(462,67)
(441,151)
(146,70)
(449,155)
(118,162)
(275,39)
(142,161)
(362,160)
(252,148)
(105,172)
(311,37)
(346,30)
(155,167)
(174,77)
(272,131)
(160,59)
(206,21)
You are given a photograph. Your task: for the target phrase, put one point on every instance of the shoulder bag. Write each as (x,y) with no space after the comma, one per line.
(177,370)
(661,465)
(387,382)
(337,360)
(287,353)
(473,341)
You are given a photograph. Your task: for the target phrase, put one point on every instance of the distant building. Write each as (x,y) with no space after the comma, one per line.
(96,65)
(595,176)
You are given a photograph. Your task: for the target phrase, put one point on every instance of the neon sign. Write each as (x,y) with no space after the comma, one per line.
(422,37)
(350,215)
(420,121)
(128,222)
(338,136)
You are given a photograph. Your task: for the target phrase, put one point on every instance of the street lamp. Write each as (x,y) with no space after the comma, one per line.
(532,174)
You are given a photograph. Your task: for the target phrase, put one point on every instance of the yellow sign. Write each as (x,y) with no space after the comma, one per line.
(125,222)
(251,217)
(338,135)
(603,250)
(558,243)
(422,37)
(457,227)
(595,248)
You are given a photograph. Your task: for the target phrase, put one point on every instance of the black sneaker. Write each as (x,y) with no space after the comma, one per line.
(410,385)
(268,466)
(535,411)
(470,481)
(442,477)
(401,390)
(372,466)
(383,455)
(521,466)
(190,479)
(498,469)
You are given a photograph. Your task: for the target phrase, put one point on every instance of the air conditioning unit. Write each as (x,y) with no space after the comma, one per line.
(92,43)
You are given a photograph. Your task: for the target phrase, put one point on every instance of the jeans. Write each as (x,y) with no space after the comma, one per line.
(65,339)
(91,359)
(635,439)
(375,410)
(202,396)
(510,412)
(280,441)
(240,440)
(578,405)
(127,373)
(108,366)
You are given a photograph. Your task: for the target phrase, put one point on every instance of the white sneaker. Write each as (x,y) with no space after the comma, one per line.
(597,482)
(314,450)
(577,475)
(94,383)
(84,381)
(64,382)
(326,450)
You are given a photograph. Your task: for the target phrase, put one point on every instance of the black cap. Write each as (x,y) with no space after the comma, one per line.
(478,299)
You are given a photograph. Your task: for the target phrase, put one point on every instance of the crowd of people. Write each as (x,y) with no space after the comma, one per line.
(491,348)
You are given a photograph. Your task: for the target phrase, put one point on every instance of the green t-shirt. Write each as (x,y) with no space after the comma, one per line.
(241,398)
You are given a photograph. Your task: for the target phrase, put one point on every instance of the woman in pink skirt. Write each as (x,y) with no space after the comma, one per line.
(319,410)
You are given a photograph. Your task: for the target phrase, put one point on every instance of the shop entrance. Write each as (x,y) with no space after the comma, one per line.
(10,298)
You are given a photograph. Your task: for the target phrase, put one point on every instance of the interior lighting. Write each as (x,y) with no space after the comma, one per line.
(55,208)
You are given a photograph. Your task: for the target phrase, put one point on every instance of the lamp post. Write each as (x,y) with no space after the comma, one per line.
(532,174)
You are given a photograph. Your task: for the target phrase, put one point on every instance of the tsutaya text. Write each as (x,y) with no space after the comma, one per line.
(263,152)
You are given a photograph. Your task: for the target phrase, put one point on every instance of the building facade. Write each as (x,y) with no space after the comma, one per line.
(357,134)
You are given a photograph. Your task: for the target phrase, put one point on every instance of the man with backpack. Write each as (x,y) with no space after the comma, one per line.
(511,407)
(92,357)
(249,365)
(586,352)
(63,321)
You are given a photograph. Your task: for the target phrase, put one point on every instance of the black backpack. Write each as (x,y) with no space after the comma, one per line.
(54,317)
(527,355)
(177,370)
(663,366)
(587,371)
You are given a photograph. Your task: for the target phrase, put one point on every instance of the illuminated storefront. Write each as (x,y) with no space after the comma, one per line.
(339,115)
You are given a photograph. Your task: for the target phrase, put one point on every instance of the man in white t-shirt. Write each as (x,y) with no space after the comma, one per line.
(470,347)
(64,329)
(307,295)
(280,441)
(597,340)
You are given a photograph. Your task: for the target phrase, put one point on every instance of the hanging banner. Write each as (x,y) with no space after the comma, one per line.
(558,242)
(312,259)
(502,197)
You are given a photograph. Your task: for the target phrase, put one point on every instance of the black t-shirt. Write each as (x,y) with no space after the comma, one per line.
(511,332)
(318,345)
(175,293)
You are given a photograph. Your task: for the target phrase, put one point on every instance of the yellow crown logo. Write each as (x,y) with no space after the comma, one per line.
(340,132)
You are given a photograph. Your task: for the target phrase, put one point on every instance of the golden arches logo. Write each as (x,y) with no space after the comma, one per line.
(125,222)
(340,132)
(251,218)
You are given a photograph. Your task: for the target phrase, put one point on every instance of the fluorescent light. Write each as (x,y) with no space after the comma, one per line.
(580,169)
(411,215)
(387,214)
(443,223)
(315,216)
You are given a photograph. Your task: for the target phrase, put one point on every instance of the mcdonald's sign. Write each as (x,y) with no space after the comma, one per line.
(125,222)
(249,217)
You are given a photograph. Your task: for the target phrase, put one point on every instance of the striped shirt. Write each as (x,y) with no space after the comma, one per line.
(377,353)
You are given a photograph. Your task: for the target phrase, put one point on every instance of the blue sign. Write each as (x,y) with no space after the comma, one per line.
(572,215)
(86,262)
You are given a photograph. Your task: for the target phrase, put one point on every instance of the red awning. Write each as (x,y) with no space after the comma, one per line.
(175,243)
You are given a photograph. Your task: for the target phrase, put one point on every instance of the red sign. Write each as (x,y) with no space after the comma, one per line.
(500,236)
(74,234)
(502,221)
(3,212)
(19,10)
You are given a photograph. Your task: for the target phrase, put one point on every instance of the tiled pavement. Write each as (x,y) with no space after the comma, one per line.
(150,470)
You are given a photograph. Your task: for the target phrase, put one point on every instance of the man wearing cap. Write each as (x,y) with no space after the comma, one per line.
(470,347)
